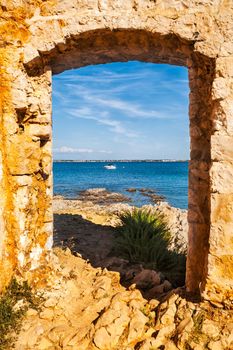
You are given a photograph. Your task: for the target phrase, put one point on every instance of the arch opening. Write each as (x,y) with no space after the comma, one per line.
(113,113)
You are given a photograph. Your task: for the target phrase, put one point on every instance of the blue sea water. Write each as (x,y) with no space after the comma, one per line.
(169,179)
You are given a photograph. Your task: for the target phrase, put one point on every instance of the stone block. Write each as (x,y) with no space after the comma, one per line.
(23,155)
(19,91)
(220,88)
(21,197)
(221,239)
(23,180)
(10,124)
(44,132)
(227,111)
(221,208)
(226,48)
(221,147)
(221,177)
(46,103)
(30,53)
(224,66)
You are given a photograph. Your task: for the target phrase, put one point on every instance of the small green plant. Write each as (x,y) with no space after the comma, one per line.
(197,335)
(198,320)
(143,237)
(11,314)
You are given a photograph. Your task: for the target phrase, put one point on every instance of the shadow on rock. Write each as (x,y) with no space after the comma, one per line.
(95,243)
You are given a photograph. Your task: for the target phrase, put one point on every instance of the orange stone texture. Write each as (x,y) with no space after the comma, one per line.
(41,38)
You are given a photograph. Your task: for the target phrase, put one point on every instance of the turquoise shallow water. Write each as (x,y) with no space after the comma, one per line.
(169,179)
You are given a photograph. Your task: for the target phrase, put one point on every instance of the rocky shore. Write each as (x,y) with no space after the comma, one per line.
(86,226)
(101,207)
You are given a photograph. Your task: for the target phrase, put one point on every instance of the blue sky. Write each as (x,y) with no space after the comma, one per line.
(130,110)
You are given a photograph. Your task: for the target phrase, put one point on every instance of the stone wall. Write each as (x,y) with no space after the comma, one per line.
(41,38)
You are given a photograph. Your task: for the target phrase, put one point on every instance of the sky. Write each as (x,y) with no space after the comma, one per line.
(131,110)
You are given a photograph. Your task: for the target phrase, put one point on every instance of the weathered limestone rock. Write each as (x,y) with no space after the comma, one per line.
(72,318)
(41,38)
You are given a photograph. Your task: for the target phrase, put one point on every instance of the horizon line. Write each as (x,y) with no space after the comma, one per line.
(121,160)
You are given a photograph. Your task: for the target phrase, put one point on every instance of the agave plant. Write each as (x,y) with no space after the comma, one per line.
(143,237)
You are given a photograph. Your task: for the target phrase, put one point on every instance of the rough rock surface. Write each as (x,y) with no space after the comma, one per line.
(87,309)
(87,229)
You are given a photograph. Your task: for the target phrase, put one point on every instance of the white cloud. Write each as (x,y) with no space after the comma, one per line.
(67,149)
(130,109)
(107,77)
(105,101)
(102,118)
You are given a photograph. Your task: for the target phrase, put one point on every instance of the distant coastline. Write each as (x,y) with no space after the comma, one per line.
(122,161)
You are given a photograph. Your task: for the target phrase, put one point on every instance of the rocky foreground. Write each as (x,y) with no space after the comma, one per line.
(86,307)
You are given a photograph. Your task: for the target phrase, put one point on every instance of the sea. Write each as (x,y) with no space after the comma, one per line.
(166,178)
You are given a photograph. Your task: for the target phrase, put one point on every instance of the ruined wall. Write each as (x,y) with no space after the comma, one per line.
(48,37)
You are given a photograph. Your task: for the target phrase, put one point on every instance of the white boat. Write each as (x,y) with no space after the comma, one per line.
(110,166)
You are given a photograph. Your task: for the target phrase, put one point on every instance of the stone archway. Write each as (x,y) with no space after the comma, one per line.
(50,38)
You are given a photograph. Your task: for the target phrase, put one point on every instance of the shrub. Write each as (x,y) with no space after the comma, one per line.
(143,237)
